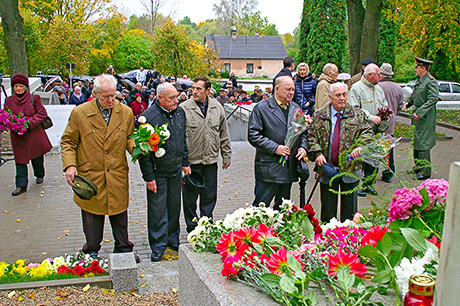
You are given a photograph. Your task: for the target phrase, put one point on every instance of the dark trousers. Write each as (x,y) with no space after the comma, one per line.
(22,175)
(93,227)
(265,192)
(163,213)
(207,194)
(424,157)
(370,173)
(329,201)
(388,173)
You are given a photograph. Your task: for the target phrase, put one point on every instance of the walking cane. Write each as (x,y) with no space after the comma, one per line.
(314,188)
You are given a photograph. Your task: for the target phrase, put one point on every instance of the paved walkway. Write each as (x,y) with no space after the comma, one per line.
(44,222)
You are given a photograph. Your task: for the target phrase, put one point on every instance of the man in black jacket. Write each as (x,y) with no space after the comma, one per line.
(162,173)
(289,67)
(268,125)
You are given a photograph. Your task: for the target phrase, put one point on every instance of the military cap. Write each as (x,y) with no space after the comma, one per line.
(84,188)
(422,61)
(194,179)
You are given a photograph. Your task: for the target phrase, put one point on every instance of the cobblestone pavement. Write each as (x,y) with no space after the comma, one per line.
(44,222)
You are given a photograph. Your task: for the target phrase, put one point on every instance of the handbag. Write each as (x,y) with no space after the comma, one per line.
(47,123)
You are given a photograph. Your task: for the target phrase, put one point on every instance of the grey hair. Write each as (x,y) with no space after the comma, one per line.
(161,88)
(337,85)
(371,68)
(104,78)
(328,67)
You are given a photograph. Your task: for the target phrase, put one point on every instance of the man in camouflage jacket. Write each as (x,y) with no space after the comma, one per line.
(355,130)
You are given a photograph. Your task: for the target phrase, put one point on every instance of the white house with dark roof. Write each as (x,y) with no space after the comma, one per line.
(249,56)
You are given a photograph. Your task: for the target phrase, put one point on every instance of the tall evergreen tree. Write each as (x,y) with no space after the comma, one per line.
(323,34)
(388,34)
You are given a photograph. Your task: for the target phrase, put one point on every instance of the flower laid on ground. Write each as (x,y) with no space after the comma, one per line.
(350,260)
(81,265)
(16,123)
(409,267)
(373,235)
(149,139)
(437,191)
(403,201)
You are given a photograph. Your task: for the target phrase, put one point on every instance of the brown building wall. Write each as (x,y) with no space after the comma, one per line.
(261,67)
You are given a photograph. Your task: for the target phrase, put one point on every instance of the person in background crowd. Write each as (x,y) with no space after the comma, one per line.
(138,106)
(328,77)
(140,75)
(212,93)
(77,97)
(367,95)
(120,97)
(267,128)
(66,86)
(259,96)
(268,90)
(94,145)
(394,96)
(231,99)
(254,94)
(148,78)
(337,127)
(155,74)
(93,96)
(288,68)
(207,134)
(182,97)
(232,78)
(223,96)
(144,93)
(357,77)
(229,90)
(151,99)
(265,96)
(157,81)
(236,94)
(132,94)
(424,99)
(110,70)
(243,97)
(162,174)
(34,143)
(240,89)
(61,95)
(305,89)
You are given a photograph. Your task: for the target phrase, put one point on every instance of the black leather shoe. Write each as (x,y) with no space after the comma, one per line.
(361,193)
(18,191)
(156,256)
(174,248)
(39,180)
(386,179)
(421,177)
(371,190)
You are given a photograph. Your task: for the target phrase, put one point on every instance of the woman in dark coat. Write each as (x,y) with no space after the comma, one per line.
(305,89)
(77,97)
(34,143)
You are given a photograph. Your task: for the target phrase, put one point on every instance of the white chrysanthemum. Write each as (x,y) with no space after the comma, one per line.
(160,152)
(142,120)
(148,127)
(333,223)
(165,133)
(286,205)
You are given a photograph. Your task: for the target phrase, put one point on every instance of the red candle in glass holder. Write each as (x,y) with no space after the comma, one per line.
(421,291)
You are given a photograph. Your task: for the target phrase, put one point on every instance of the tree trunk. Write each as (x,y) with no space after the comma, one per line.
(356,13)
(14,36)
(371,26)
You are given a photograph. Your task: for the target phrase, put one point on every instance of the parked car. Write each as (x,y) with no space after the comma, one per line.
(448,91)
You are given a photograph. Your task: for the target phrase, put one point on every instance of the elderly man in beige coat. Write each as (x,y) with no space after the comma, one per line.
(94,145)
(328,77)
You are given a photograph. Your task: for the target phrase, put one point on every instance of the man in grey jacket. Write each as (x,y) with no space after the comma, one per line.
(206,134)
(369,97)
(394,96)
(268,125)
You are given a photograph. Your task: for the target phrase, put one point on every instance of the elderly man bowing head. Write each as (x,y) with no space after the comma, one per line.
(337,127)
(268,125)
(162,174)
(94,145)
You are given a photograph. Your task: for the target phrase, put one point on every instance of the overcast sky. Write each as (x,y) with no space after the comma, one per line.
(284,14)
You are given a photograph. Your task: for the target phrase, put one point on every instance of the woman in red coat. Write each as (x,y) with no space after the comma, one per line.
(34,143)
(138,106)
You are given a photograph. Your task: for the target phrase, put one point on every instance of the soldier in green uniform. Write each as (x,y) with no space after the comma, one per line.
(424,99)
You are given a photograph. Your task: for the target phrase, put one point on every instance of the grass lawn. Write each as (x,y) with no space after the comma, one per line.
(404,130)
(450,116)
